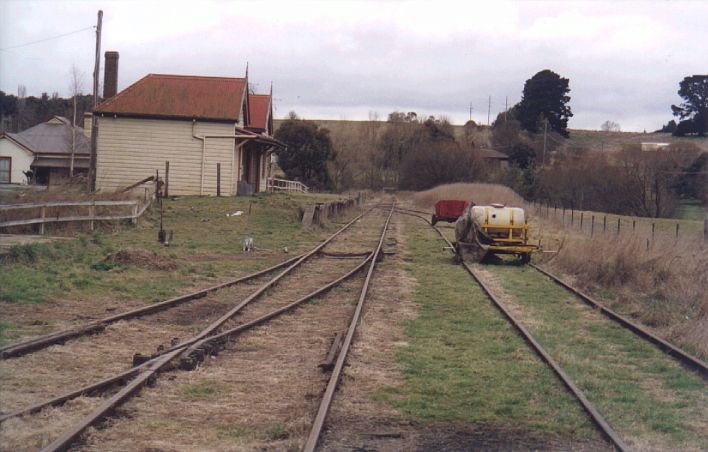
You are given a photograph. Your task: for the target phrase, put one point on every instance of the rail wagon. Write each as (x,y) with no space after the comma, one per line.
(449,210)
(482,231)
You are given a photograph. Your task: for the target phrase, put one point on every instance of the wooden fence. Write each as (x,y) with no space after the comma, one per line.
(286,185)
(136,210)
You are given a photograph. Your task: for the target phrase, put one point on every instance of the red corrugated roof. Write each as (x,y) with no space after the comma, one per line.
(258,109)
(183,96)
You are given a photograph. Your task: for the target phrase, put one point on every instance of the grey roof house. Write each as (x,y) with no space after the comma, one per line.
(45,150)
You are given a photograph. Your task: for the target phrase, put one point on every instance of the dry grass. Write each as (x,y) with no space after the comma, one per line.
(480,194)
(665,286)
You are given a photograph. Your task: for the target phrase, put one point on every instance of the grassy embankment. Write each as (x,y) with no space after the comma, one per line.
(645,394)
(206,249)
(465,363)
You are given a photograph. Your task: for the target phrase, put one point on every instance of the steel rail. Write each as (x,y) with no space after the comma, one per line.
(216,338)
(641,331)
(39,342)
(594,414)
(153,366)
(668,348)
(220,338)
(326,402)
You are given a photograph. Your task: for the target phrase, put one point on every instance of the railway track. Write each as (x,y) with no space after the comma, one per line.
(187,354)
(689,361)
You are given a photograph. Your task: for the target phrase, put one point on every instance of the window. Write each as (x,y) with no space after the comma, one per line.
(5,168)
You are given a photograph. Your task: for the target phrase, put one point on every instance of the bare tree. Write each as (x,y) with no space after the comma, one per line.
(76,85)
(610,126)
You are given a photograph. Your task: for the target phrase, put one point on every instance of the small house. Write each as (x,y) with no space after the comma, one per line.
(47,153)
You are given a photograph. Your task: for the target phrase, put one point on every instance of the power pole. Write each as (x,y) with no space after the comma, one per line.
(94,123)
(470,111)
(489,109)
(545,130)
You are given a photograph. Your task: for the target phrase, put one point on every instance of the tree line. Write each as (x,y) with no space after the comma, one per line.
(18,113)
(408,152)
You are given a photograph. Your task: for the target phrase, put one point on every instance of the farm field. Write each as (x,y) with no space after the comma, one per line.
(433,364)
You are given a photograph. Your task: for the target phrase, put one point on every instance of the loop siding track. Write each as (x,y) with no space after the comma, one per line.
(39,342)
(589,408)
(323,410)
(207,340)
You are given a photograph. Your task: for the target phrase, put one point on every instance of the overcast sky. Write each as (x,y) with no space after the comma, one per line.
(345,60)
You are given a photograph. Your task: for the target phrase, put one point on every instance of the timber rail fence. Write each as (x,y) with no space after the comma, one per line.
(51,212)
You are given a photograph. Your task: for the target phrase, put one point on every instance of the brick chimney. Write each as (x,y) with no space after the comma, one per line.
(110,75)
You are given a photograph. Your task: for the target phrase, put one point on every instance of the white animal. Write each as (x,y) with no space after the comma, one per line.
(248,245)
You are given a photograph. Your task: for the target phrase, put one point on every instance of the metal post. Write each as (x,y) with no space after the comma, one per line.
(167,178)
(581,220)
(634,224)
(677,230)
(618,226)
(604,223)
(572,217)
(218,179)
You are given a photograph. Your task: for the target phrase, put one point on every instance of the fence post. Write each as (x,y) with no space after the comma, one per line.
(677,230)
(653,229)
(592,225)
(634,223)
(618,226)
(43,212)
(134,220)
(563,216)
(581,220)
(167,178)
(604,224)
(92,214)
(218,179)
(572,217)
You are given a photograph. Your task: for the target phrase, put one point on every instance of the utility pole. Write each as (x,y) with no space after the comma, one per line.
(94,123)
(545,130)
(489,109)
(470,111)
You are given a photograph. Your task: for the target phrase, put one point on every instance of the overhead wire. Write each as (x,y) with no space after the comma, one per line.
(47,39)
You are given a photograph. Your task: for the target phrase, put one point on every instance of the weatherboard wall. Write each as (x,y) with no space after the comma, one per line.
(131,149)
(21,159)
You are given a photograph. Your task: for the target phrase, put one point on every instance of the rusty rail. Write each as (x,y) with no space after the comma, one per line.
(39,342)
(148,370)
(590,409)
(326,402)
(668,348)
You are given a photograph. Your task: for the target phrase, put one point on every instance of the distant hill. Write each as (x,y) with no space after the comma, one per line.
(593,139)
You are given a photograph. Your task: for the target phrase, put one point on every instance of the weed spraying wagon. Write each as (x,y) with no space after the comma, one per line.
(482,231)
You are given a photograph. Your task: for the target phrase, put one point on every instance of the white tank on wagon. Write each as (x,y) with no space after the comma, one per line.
(498,215)
(492,229)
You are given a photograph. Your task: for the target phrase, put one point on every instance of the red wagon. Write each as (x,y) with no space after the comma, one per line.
(449,210)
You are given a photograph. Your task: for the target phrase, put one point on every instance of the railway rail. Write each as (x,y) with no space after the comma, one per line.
(609,433)
(188,353)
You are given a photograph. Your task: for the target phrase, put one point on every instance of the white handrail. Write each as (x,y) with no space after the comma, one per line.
(274,184)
